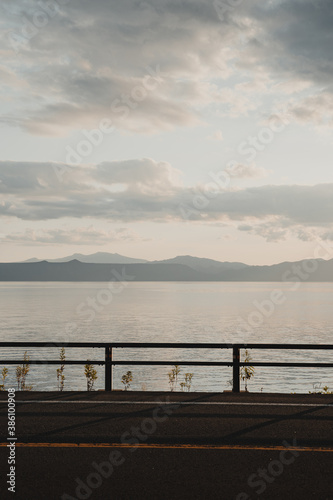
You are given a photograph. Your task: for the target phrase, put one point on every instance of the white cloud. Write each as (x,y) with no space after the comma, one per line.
(276,229)
(143,65)
(216,136)
(74,236)
(328,235)
(151,191)
(70,73)
(241,171)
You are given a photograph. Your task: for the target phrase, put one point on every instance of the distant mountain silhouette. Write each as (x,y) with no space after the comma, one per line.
(305,270)
(196,263)
(82,271)
(95,258)
(205,265)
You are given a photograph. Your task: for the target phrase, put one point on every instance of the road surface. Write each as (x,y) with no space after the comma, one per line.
(144,445)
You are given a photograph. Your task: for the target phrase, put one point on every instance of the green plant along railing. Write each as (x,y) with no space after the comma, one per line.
(109,347)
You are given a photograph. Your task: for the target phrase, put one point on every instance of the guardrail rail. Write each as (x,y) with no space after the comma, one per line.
(109,361)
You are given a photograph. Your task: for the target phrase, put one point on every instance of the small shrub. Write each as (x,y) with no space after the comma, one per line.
(173,377)
(60,371)
(91,375)
(247,372)
(22,372)
(186,385)
(126,380)
(4,374)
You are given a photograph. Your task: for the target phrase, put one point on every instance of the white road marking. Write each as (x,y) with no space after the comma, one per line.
(180,403)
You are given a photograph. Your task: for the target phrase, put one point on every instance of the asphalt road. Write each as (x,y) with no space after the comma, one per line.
(129,446)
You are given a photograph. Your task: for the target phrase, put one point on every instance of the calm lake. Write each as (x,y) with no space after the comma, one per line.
(170,312)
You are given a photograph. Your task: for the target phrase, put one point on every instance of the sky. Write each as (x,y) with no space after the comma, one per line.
(162,128)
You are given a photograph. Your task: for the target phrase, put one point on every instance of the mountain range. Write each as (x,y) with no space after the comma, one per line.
(95,258)
(196,263)
(105,267)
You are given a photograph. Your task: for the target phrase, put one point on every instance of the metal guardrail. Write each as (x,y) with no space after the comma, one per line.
(110,346)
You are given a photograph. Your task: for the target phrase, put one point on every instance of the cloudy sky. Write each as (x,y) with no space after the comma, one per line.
(162,127)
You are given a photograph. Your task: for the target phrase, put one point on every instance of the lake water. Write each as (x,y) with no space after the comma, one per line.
(170,312)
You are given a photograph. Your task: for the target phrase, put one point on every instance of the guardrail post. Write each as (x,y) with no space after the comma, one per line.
(235,369)
(108,369)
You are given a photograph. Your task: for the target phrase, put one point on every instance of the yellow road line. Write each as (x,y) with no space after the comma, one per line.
(166,446)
